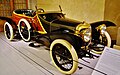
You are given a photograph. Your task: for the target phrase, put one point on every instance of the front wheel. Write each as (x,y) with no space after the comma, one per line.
(104,40)
(64,56)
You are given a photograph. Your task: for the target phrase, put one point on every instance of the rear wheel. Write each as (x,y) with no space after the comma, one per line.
(24,29)
(8,31)
(64,56)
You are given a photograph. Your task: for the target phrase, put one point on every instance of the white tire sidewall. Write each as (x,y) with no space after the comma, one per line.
(28,26)
(72,51)
(11,31)
(108,39)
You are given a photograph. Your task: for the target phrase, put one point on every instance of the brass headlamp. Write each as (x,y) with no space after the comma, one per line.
(101,28)
(84,30)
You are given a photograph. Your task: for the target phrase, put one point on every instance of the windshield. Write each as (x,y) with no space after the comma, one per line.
(52,16)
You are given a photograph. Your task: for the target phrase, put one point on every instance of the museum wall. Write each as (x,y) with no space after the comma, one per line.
(32,4)
(112,13)
(1,25)
(83,10)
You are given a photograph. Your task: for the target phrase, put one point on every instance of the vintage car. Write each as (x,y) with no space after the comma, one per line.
(67,39)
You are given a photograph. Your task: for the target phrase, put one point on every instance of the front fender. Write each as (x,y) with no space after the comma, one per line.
(72,39)
(107,23)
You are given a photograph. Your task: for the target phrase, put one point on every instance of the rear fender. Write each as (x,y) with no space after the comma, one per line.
(96,24)
(107,23)
(9,20)
(72,39)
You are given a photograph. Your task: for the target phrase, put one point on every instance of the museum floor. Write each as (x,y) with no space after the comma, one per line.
(17,58)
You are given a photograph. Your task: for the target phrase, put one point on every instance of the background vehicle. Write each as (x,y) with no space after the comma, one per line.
(67,39)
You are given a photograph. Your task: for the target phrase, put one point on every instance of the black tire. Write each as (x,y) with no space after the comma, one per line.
(64,56)
(24,29)
(8,31)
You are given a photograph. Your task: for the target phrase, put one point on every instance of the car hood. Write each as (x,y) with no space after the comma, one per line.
(67,22)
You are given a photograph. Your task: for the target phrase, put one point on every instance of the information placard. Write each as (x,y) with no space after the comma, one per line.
(109,62)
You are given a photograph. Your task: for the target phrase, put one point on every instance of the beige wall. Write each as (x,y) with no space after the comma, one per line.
(112,11)
(83,10)
(32,4)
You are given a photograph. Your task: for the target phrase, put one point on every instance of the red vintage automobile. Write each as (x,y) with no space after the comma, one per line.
(67,39)
(26,18)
